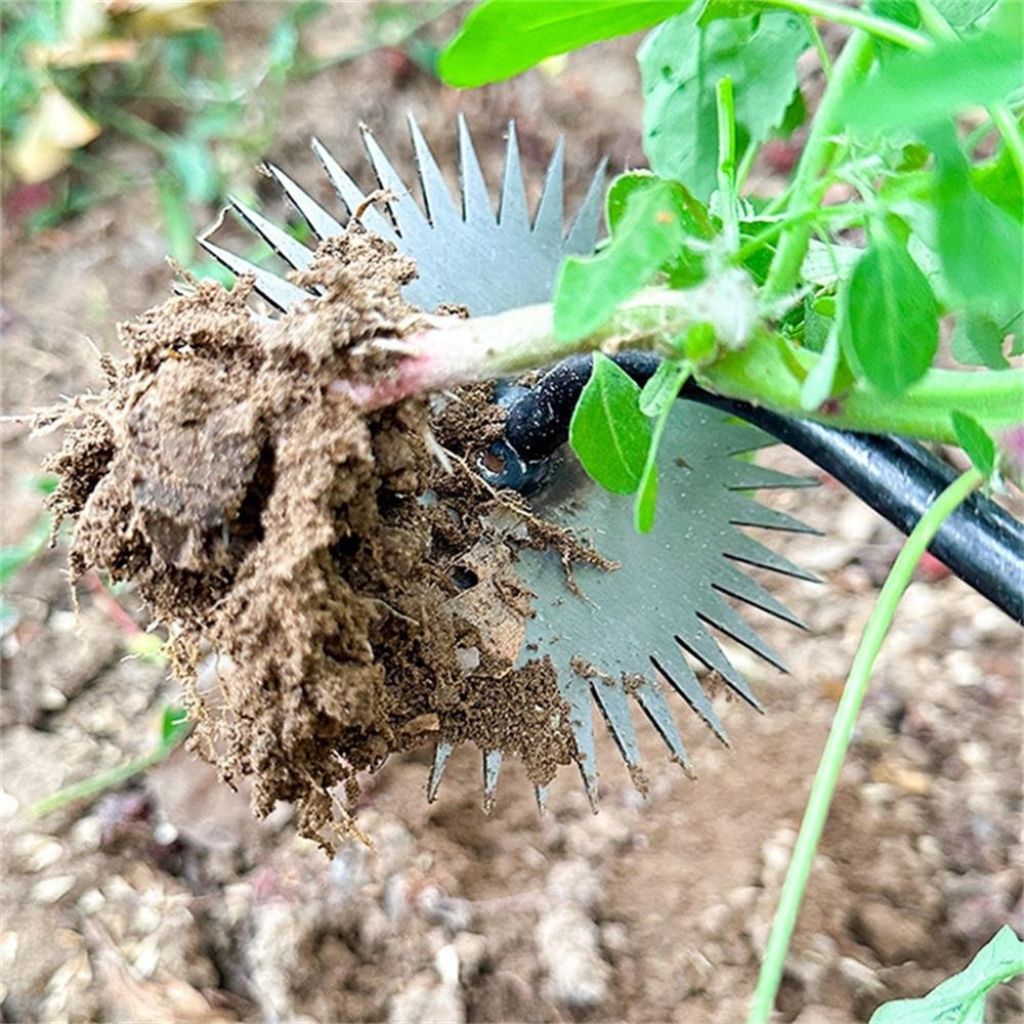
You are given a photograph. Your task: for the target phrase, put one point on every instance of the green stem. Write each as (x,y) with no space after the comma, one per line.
(853,213)
(840,735)
(882,28)
(97,784)
(450,352)
(819,47)
(851,67)
(762,373)
(727,160)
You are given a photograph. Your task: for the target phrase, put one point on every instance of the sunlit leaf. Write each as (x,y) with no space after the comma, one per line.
(51,132)
(501,38)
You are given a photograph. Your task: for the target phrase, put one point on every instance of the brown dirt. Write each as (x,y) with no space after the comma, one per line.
(263,517)
(167,900)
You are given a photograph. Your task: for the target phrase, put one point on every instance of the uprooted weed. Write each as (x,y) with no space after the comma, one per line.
(266,519)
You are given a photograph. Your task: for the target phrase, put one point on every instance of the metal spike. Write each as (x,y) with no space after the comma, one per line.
(441,209)
(576,694)
(541,795)
(582,235)
(292,251)
(703,646)
(741,548)
(320,221)
(690,690)
(492,769)
(476,199)
(513,212)
(352,195)
(719,614)
(547,225)
(753,513)
(740,586)
(412,224)
(651,699)
(611,699)
(442,752)
(279,293)
(751,476)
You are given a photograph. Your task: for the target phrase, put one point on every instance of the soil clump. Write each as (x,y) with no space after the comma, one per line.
(357,593)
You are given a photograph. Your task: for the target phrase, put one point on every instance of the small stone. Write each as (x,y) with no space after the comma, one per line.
(863,980)
(569,951)
(472,951)
(894,935)
(50,890)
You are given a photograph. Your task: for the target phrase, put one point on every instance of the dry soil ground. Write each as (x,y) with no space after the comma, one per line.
(166,901)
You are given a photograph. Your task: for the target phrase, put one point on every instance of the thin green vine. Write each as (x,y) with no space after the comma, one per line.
(834,754)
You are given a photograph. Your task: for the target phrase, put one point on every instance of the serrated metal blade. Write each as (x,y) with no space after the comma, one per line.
(609,649)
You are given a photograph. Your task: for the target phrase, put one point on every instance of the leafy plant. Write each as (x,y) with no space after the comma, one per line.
(157,73)
(777,301)
(961,998)
(172,729)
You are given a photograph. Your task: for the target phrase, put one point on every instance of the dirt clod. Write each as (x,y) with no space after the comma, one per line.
(267,519)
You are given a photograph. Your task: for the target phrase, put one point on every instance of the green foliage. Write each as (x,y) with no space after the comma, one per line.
(171,730)
(917,90)
(681,63)
(980,448)
(980,246)
(961,998)
(651,220)
(608,432)
(657,400)
(890,316)
(501,38)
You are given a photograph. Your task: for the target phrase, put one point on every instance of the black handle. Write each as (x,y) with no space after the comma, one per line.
(980,542)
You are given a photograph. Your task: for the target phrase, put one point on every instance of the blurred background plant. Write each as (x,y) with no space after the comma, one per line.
(73,71)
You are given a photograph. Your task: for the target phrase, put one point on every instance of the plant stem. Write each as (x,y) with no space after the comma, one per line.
(97,784)
(840,735)
(854,213)
(760,368)
(851,66)
(727,160)
(883,28)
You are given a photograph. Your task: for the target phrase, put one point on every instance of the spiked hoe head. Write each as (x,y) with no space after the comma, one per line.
(624,634)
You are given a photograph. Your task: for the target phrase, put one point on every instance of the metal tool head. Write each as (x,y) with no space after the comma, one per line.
(622,635)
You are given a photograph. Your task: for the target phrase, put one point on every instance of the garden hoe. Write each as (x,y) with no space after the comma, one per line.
(620,632)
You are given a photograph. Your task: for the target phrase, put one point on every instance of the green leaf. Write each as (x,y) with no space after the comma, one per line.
(501,38)
(657,400)
(608,432)
(891,317)
(979,339)
(980,246)
(916,90)
(192,161)
(828,376)
(663,387)
(999,181)
(963,14)
(971,436)
(649,233)
(961,998)
(14,556)
(173,725)
(681,63)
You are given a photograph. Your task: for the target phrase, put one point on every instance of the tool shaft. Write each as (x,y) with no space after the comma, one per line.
(981,542)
